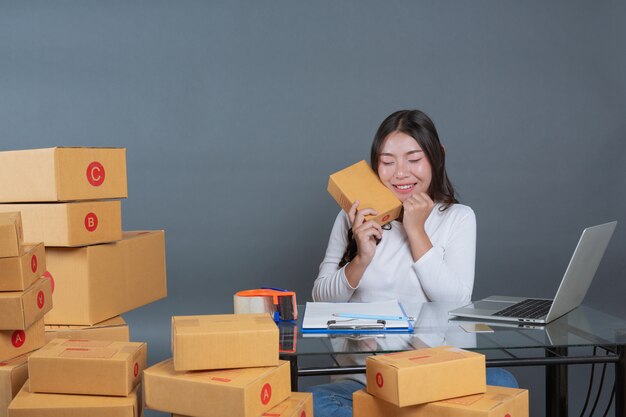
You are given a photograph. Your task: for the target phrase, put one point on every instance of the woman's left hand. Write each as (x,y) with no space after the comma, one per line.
(417,208)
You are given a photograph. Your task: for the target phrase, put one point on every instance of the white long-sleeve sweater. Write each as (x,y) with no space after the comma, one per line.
(444,273)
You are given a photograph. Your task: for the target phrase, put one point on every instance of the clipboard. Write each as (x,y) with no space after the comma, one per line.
(323,318)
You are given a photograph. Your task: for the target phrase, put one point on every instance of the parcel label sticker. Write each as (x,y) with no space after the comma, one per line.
(95,173)
(33,263)
(18,338)
(379,380)
(91,222)
(89,353)
(41,299)
(266,394)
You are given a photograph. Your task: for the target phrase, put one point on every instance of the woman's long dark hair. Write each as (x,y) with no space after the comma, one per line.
(420,127)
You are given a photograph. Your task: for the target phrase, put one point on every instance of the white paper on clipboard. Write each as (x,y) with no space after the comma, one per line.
(317,315)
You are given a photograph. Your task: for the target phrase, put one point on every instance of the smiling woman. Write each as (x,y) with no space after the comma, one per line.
(428,254)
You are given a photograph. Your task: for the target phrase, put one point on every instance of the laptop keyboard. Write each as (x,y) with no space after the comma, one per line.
(529,308)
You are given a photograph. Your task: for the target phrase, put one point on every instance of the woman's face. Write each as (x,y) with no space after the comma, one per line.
(403,166)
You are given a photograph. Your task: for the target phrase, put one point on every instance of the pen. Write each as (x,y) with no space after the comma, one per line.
(373,317)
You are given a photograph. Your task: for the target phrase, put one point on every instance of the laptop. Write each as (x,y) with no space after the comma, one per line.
(572,290)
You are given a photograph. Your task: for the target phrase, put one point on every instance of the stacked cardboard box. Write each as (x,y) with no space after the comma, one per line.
(69,198)
(95,378)
(434,382)
(25,296)
(223,366)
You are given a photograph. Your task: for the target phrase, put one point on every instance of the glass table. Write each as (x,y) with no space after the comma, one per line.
(553,346)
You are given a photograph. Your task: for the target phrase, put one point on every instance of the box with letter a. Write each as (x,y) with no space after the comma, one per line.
(14,343)
(244,392)
(62,174)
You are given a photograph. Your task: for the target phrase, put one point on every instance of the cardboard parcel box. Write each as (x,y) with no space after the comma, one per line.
(62,174)
(299,404)
(90,367)
(13,374)
(96,283)
(11,234)
(245,392)
(30,404)
(224,341)
(114,329)
(14,343)
(359,182)
(496,402)
(425,375)
(20,309)
(18,273)
(70,224)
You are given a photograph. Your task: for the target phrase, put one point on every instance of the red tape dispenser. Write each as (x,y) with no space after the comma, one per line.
(281,304)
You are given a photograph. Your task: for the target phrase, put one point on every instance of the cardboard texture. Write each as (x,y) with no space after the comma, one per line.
(359,182)
(13,374)
(20,309)
(29,404)
(14,343)
(425,375)
(224,341)
(96,283)
(70,224)
(244,392)
(90,367)
(18,273)
(62,174)
(11,234)
(496,402)
(114,329)
(299,404)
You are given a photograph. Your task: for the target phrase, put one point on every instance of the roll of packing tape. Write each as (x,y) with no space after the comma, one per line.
(253,305)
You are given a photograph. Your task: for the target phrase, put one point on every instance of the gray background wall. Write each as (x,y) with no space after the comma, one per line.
(235,113)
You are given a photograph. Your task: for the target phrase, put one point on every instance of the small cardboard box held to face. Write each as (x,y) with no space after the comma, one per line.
(224,341)
(425,375)
(114,329)
(496,402)
(359,182)
(18,273)
(13,374)
(89,367)
(62,174)
(11,234)
(20,309)
(14,343)
(245,392)
(96,283)
(30,404)
(70,224)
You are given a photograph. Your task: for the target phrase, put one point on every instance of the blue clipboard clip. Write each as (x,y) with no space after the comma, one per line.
(380,325)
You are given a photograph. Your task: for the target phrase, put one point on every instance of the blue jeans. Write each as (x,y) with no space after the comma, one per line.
(335,399)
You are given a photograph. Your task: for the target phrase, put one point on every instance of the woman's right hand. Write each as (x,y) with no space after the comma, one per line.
(366,233)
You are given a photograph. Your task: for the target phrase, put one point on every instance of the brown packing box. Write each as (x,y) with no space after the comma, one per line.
(224,341)
(425,375)
(11,234)
(29,404)
(496,402)
(114,329)
(245,392)
(13,374)
(62,174)
(90,367)
(70,224)
(359,182)
(20,309)
(299,404)
(17,342)
(96,283)
(18,273)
